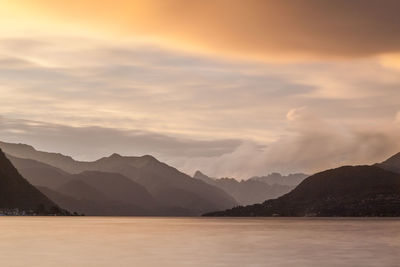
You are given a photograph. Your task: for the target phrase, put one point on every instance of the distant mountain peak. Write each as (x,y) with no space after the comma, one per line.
(149,157)
(275,174)
(198,173)
(115,155)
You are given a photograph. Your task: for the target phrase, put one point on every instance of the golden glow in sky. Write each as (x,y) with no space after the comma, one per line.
(244,28)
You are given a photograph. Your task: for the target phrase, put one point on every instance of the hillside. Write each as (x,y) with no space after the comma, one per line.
(87,206)
(16,192)
(345,191)
(112,194)
(81,191)
(391,164)
(38,173)
(73,205)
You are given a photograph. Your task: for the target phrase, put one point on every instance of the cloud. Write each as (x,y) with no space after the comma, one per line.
(246,160)
(90,143)
(397,118)
(311,144)
(391,61)
(195,112)
(245,28)
(141,87)
(315,144)
(295,114)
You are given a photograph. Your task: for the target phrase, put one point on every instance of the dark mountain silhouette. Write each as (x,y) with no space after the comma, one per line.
(391,164)
(117,187)
(172,189)
(16,192)
(87,206)
(124,194)
(277,178)
(81,191)
(79,206)
(38,173)
(246,191)
(345,191)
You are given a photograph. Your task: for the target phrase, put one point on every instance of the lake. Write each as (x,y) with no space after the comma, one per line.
(132,241)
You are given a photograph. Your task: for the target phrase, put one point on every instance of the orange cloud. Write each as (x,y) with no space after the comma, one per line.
(391,61)
(255,28)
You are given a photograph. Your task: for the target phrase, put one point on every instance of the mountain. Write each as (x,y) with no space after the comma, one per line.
(38,173)
(109,194)
(279,179)
(16,192)
(345,191)
(79,190)
(391,164)
(78,206)
(74,193)
(28,152)
(87,206)
(76,187)
(201,176)
(172,189)
(117,187)
(78,196)
(103,194)
(246,192)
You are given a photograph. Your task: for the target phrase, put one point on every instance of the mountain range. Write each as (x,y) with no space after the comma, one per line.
(116,185)
(279,179)
(253,191)
(51,183)
(344,191)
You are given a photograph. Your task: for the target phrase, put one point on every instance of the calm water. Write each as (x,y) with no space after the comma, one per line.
(198,242)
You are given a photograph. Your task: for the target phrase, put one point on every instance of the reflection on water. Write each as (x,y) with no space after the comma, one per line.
(97,241)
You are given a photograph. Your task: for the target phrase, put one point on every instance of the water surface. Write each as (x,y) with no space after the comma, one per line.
(98,241)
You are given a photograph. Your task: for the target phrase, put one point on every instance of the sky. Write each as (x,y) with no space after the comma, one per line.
(231,88)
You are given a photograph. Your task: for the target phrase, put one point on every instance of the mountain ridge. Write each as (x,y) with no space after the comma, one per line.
(245,191)
(158,178)
(344,191)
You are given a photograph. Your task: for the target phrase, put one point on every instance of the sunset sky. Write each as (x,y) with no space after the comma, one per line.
(233,88)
